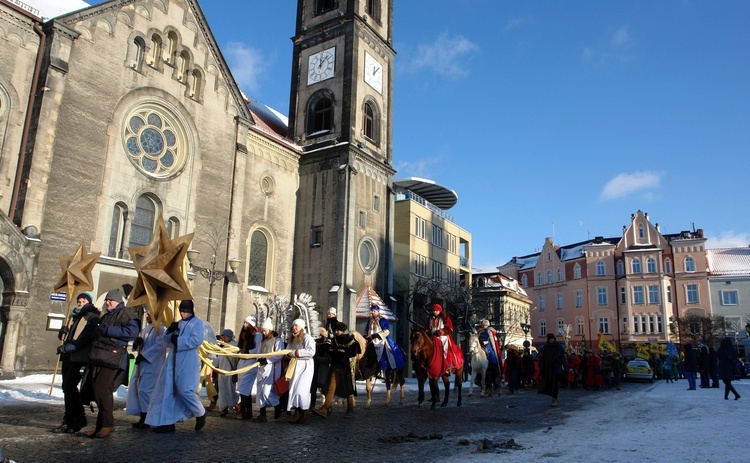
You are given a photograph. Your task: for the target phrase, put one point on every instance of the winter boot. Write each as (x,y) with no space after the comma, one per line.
(261,418)
(141,424)
(277,410)
(322,411)
(296,416)
(304,416)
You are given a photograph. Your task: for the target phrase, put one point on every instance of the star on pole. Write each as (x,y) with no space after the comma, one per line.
(161,276)
(76,272)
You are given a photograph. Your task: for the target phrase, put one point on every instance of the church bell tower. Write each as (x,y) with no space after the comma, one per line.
(340,113)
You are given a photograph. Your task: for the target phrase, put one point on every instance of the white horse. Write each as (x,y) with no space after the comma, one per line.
(479,363)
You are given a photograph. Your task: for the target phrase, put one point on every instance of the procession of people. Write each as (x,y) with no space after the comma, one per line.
(284,375)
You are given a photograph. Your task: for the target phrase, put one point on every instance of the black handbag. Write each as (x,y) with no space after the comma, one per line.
(107,354)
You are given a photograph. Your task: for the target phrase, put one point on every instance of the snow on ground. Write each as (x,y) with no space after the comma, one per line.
(653,423)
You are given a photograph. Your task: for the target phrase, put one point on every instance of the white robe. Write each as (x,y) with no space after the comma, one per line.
(175,396)
(246,381)
(299,385)
(154,352)
(267,374)
(227,392)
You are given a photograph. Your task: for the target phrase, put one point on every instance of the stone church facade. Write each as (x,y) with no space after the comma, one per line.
(114,115)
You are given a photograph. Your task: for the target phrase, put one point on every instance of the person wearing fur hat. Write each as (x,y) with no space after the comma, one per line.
(268,372)
(74,352)
(227,392)
(151,354)
(552,367)
(441,328)
(343,351)
(249,343)
(174,399)
(303,350)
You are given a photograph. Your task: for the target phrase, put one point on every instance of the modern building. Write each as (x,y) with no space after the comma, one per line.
(119,113)
(628,287)
(432,253)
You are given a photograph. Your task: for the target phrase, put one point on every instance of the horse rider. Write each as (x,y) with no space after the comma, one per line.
(378,332)
(488,340)
(441,327)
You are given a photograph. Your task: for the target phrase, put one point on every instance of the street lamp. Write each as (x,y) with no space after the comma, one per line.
(212,275)
(526,327)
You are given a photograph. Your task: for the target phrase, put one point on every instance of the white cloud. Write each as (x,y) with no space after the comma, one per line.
(513,24)
(625,184)
(247,64)
(419,168)
(447,55)
(728,239)
(621,37)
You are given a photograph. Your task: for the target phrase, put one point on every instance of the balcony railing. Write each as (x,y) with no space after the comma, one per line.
(408,195)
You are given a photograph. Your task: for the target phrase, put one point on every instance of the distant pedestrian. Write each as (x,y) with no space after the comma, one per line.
(552,366)
(713,367)
(727,366)
(703,368)
(690,365)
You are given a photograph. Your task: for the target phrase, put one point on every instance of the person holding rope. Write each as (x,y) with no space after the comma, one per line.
(269,370)
(227,390)
(303,350)
(249,343)
(174,399)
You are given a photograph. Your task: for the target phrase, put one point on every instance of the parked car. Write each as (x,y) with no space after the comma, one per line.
(639,369)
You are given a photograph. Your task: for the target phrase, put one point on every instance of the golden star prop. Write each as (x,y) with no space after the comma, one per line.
(161,276)
(76,272)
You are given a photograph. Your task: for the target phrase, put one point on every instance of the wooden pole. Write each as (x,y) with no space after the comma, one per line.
(62,341)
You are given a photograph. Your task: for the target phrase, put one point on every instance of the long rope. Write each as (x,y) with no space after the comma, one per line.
(208,348)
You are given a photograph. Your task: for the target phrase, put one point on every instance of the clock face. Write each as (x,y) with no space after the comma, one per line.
(321,66)
(373,73)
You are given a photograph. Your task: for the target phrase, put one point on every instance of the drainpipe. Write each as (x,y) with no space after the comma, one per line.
(18,197)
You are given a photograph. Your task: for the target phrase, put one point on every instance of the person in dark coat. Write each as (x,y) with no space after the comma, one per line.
(77,341)
(552,366)
(343,351)
(713,367)
(703,368)
(690,365)
(727,357)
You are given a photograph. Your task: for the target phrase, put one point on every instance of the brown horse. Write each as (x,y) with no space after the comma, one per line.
(422,351)
(369,368)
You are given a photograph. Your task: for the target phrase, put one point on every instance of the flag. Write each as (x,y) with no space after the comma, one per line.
(604,345)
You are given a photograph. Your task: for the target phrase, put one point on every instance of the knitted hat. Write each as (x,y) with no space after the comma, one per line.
(437,308)
(228,333)
(267,325)
(113,295)
(299,322)
(86,296)
(339,326)
(332,311)
(485,323)
(250,319)
(187,306)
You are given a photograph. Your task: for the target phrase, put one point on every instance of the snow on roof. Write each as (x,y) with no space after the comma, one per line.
(47,9)
(729,261)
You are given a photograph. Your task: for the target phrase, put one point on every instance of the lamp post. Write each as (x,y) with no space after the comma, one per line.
(212,275)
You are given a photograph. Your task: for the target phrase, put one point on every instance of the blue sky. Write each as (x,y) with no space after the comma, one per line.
(550,118)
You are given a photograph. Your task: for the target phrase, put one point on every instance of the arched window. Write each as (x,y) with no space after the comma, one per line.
(524,281)
(142,228)
(620,268)
(320,119)
(173,227)
(137,52)
(577,272)
(636,265)
(559,274)
(154,55)
(258,261)
(170,51)
(373,9)
(689,264)
(539,281)
(601,268)
(183,64)
(371,122)
(117,230)
(549,277)
(667,266)
(195,84)
(651,265)
(641,232)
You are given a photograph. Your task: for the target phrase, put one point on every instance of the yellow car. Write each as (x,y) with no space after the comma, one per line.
(639,369)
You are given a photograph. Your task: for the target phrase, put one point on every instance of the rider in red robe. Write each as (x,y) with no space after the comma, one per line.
(441,328)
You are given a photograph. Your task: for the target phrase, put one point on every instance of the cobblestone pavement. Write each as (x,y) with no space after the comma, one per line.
(396,433)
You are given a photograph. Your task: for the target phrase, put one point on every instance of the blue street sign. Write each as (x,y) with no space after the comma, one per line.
(58,296)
